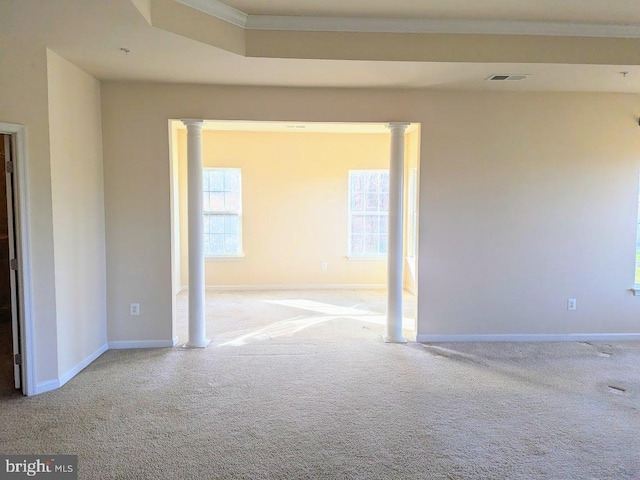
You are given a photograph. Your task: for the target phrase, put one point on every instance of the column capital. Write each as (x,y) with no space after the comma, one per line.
(398,126)
(195,122)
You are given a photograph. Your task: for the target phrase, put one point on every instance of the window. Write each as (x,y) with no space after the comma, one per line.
(222,212)
(368,212)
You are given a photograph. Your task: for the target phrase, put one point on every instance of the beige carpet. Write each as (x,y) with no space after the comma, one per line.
(332,401)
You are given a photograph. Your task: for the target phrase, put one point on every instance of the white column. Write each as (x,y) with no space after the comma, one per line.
(395,260)
(197,327)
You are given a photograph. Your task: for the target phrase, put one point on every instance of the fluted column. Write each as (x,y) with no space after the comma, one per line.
(197,327)
(395,259)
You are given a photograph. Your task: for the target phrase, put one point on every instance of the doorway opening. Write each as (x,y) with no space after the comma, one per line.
(295,220)
(10,338)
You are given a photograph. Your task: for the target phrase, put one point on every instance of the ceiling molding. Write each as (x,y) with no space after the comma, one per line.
(224,12)
(409,25)
(220,10)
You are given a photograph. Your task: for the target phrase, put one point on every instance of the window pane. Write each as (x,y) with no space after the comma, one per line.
(205,180)
(217,180)
(357,182)
(384,224)
(216,223)
(231,243)
(357,244)
(383,244)
(357,202)
(357,224)
(207,244)
(384,202)
(384,182)
(216,201)
(231,224)
(371,244)
(232,201)
(371,224)
(217,244)
(232,180)
(371,202)
(206,204)
(371,184)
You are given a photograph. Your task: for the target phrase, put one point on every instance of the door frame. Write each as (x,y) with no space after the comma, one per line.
(22,232)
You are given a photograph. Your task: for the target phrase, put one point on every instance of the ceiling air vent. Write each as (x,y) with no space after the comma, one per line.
(519,76)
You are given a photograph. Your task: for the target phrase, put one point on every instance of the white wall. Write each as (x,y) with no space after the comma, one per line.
(526,199)
(78,211)
(23,100)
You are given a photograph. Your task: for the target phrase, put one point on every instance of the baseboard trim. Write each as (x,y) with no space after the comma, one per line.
(53,384)
(83,364)
(43,387)
(569,337)
(338,286)
(124,344)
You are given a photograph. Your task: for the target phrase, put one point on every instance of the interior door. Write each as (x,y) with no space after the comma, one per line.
(13,262)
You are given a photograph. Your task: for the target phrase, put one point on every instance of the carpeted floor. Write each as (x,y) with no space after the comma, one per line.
(324,398)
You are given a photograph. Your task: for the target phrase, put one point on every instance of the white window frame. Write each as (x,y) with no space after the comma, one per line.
(225,256)
(363,256)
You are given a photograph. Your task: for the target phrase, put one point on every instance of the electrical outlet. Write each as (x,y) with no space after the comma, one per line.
(134,309)
(572,304)
(324,265)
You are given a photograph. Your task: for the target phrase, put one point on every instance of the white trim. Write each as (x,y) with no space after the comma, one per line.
(82,365)
(124,344)
(423,25)
(45,387)
(23,230)
(568,337)
(303,23)
(219,10)
(636,291)
(235,257)
(366,257)
(338,286)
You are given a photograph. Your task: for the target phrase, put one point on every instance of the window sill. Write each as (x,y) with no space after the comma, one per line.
(225,258)
(636,290)
(366,257)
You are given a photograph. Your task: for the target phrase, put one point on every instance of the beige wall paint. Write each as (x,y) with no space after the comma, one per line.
(78,211)
(23,100)
(295,206)
(191,23)
(442,47)
(526,199)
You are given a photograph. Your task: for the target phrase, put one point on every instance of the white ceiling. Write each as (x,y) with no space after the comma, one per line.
(622,12)
(89,33)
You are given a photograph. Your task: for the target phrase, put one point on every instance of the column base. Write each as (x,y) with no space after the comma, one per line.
(388,339)
(197,344)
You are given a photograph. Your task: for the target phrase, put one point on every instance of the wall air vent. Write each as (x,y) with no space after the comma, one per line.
(520,76)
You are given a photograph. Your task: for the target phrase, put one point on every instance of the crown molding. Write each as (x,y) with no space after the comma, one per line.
(418,25)
(220,10)
(224,12)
